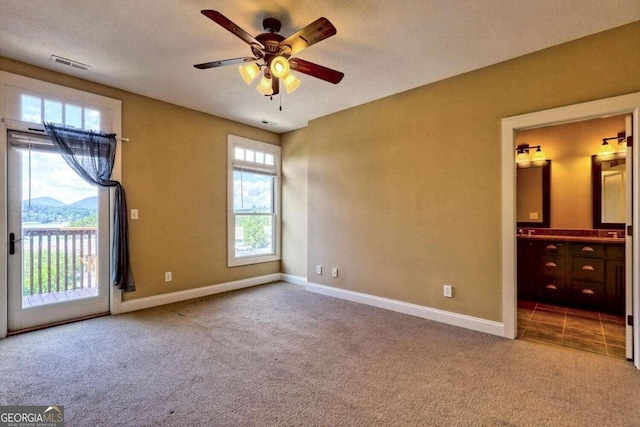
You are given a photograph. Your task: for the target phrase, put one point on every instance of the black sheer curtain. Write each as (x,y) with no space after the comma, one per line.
(92,156)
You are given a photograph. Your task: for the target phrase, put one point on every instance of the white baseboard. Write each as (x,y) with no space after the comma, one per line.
(450,318)
(295,280)
(156,300)
(455,319)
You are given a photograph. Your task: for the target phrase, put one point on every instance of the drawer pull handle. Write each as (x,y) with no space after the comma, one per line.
(551,248)
(553,287)
(588,292)
(550,264)
(588,267)
(587,249)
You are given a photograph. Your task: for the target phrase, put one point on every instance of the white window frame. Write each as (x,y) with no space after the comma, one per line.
(234,142)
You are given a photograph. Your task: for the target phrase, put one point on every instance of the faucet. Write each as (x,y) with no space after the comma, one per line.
(529,232)
(613,234)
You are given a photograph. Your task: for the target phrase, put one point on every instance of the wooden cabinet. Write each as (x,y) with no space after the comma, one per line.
(587,275)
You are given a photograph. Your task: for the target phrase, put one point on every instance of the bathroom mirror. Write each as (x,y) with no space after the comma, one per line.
(609,191)
(534,194)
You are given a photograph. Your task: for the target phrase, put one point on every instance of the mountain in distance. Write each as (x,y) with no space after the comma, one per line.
(43,201)
(90,203)
(47,210)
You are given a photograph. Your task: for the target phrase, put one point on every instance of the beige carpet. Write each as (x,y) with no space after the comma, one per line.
(277,355)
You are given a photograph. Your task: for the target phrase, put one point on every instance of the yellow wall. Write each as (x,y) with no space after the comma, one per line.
(404,193)
(174,173)
(294,203)
(570,148)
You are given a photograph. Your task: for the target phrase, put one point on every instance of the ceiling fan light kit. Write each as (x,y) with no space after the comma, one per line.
(275,50)
(266,86)
(249,72)
(291,83)
(280,67)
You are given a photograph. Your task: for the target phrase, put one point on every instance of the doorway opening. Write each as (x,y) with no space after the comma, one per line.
(617,106)
(58,244)
(571,263)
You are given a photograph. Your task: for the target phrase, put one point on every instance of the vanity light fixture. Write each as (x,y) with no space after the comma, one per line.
(607,150)
(523,150)
(539,155)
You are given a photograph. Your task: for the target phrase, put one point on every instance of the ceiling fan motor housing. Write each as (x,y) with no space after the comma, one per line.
(271,43)
(271,25)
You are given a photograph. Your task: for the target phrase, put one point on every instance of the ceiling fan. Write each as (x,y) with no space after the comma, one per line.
(276,53)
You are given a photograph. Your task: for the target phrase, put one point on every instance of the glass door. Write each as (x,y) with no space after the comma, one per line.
(58,237)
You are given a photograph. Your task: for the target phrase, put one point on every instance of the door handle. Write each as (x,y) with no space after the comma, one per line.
(12,243)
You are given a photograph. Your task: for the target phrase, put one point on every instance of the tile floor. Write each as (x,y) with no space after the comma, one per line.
(592,331)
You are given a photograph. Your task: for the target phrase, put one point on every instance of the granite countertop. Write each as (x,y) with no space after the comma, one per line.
(586,239)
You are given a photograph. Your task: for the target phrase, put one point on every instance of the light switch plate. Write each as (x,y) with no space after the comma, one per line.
(448,291)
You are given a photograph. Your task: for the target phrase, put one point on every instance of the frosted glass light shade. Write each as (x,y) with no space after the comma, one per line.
(522,156)
(291,83)
(265,87)
(623,146)
(249,72)
(539,155)
(280,67)
(605,149)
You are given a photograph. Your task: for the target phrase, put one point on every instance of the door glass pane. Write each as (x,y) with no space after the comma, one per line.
(253,235)
(91,119)
(73,115)
(59,231)
(52,111)
(30,109)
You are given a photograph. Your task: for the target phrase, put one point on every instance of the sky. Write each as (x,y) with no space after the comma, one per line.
(52,177)
(50,174)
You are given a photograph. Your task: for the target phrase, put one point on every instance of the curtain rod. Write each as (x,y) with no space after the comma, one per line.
(32,127)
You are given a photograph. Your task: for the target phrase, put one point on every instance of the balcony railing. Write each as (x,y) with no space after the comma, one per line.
(59,260)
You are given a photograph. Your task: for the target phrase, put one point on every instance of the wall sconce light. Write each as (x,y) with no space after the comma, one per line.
(523,150)
(607,150)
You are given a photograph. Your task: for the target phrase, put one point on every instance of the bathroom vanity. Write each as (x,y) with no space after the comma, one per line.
(574,270)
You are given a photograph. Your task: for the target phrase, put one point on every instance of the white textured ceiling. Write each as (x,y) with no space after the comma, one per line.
(384,47)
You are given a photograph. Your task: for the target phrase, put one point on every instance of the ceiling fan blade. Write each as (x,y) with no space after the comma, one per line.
(224,62)
(315,70)
(318,30)
(224,22)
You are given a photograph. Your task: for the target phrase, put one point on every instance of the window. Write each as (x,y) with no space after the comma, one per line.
(253,170)
(34,109)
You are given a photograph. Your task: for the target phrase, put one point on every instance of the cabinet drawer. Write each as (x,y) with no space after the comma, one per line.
(589,269)
(555,266)
(590,294)
(552,248)
(552,289)
(588,250)
(615,251)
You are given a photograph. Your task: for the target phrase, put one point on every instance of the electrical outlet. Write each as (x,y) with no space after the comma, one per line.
(448,291)
(134,213)
(168,276)
(319,270)
(334,272)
